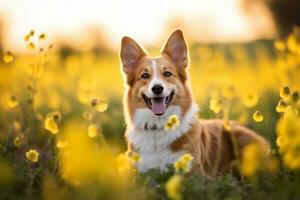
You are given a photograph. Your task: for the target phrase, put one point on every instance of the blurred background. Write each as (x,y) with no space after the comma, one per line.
(231,45)
(60,73)
(90,23)
(66,53)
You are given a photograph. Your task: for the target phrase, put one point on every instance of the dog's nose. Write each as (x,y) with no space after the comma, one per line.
(157,89)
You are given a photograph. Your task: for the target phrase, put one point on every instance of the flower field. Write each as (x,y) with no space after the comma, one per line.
(62,124)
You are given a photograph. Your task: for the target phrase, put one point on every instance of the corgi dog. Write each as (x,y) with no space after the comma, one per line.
(158,87)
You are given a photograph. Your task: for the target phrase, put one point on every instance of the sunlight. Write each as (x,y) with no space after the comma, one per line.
(144,20)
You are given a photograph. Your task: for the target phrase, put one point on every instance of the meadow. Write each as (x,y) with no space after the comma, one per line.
(62,125)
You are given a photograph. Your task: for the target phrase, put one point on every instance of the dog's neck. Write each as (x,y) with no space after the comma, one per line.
(145,120)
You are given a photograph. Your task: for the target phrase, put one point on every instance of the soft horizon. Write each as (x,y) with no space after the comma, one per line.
(149,23)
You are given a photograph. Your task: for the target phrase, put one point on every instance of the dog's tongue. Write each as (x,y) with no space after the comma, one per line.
(158,107)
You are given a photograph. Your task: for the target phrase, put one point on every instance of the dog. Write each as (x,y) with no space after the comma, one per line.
(158,87)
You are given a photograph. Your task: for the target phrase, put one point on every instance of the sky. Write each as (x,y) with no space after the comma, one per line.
(146,21)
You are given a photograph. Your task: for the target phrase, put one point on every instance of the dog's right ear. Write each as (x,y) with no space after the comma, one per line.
(176,49)
(131,53)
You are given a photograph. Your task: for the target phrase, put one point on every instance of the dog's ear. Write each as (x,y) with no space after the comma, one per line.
(176,49)
(131,53)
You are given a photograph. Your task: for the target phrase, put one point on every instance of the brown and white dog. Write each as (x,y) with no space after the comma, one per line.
(157,87)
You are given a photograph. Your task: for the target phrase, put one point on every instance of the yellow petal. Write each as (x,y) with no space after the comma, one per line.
(32,155)
(31,45)
(51,125)
(61,144)
(281,106)
(13,102)
(285,92)
(250,100)
(17,142)
(42,36)
(92,130)
(8,57)
(258,117)
(27,37)
(215,105)
(102,107)
(173,187)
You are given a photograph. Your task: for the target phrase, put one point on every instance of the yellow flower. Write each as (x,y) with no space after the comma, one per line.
(258,117)
(250,100)
(174,120)
(27,37)
(168,126)
(124,164)
(8,57)
(285,93)
(94,102)
(31,45)
(51,125)
(187,157)
(98,162)
(281,106)
(289,127)
(282,142)
(292,159)
(102,106)
(254,156)
(92,130)
(173,187)
(13,102)
(17,142)
(172,123)
(288,140)
(295,96)
(292,43)
(133,156)
(290,112)
(87,115)
(42,36)
(61,144)
(31,33)
(279,45)
(55,115)
(184,163)
(215,105)
(32,155)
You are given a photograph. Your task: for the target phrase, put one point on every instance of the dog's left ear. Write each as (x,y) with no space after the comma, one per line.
(176,49)
(131,53)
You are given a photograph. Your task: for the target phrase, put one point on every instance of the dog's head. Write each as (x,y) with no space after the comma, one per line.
(156,83)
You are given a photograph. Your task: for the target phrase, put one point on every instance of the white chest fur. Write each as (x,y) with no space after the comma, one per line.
(146,133)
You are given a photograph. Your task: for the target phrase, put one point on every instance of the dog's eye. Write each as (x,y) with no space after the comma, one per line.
(145,76)
(167,74)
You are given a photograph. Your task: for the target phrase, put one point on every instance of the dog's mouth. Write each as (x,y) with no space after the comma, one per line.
(159,105)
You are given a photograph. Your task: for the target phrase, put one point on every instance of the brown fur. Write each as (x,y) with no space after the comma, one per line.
(208,139)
